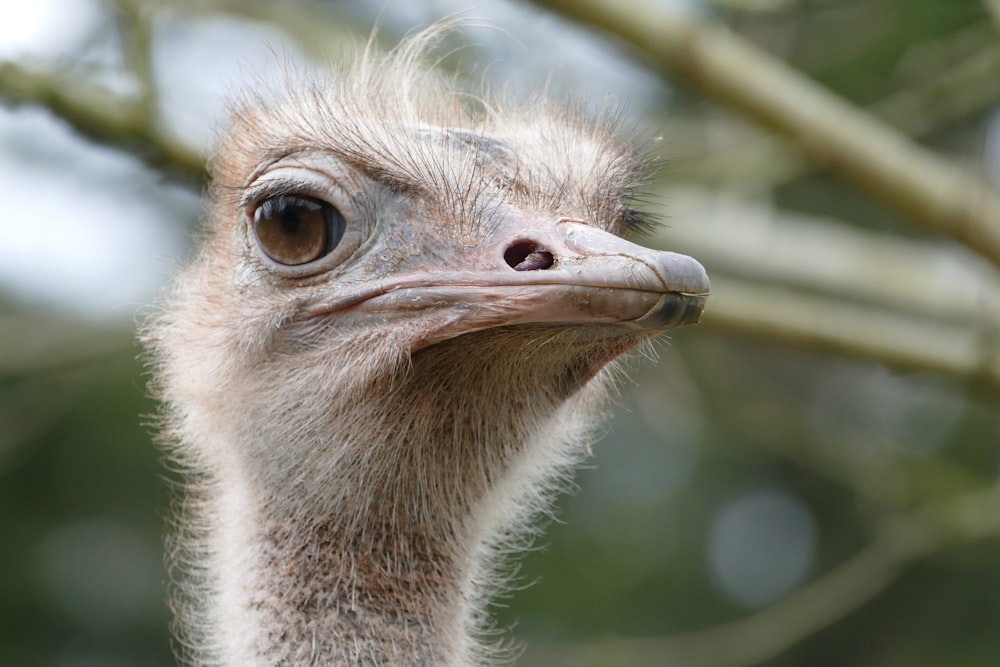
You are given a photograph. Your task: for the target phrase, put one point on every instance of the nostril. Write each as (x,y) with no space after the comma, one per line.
(528,256)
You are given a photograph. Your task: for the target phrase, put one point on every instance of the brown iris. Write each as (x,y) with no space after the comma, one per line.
(294,230)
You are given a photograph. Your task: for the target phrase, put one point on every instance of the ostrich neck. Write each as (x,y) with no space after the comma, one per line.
(307,590)
(345,569)
(374,547)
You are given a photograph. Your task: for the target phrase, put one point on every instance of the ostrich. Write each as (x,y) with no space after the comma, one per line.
(402,323)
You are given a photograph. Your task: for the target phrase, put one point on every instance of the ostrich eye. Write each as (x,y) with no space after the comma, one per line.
(294,230)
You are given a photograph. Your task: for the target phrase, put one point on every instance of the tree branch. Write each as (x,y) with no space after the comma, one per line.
(135,27)
(104,117)
(924,188)
(993,6)
(914,305)
(762,161)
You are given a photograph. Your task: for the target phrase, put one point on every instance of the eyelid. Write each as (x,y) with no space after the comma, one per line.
(269,185)
(314,175)
(256,194)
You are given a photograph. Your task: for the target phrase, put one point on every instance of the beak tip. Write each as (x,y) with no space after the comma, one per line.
(684,275)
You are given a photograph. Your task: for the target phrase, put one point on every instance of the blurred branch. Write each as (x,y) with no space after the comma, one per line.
(924,188)
(755,5)
(909,304)
(993,6)
(912,343)
(314,29)
(900,540)
(135,25)
(104,117)
(130,123)
(961,88)
(953,90)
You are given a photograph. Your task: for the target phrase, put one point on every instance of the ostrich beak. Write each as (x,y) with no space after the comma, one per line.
(611,279)
(565,272)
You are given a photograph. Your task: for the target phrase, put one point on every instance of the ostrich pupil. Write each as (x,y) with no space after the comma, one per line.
(297,230)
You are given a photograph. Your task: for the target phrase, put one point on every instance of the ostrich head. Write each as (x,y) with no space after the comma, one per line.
(398,331)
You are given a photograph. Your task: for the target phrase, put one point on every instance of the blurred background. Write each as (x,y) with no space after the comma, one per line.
(807,478)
